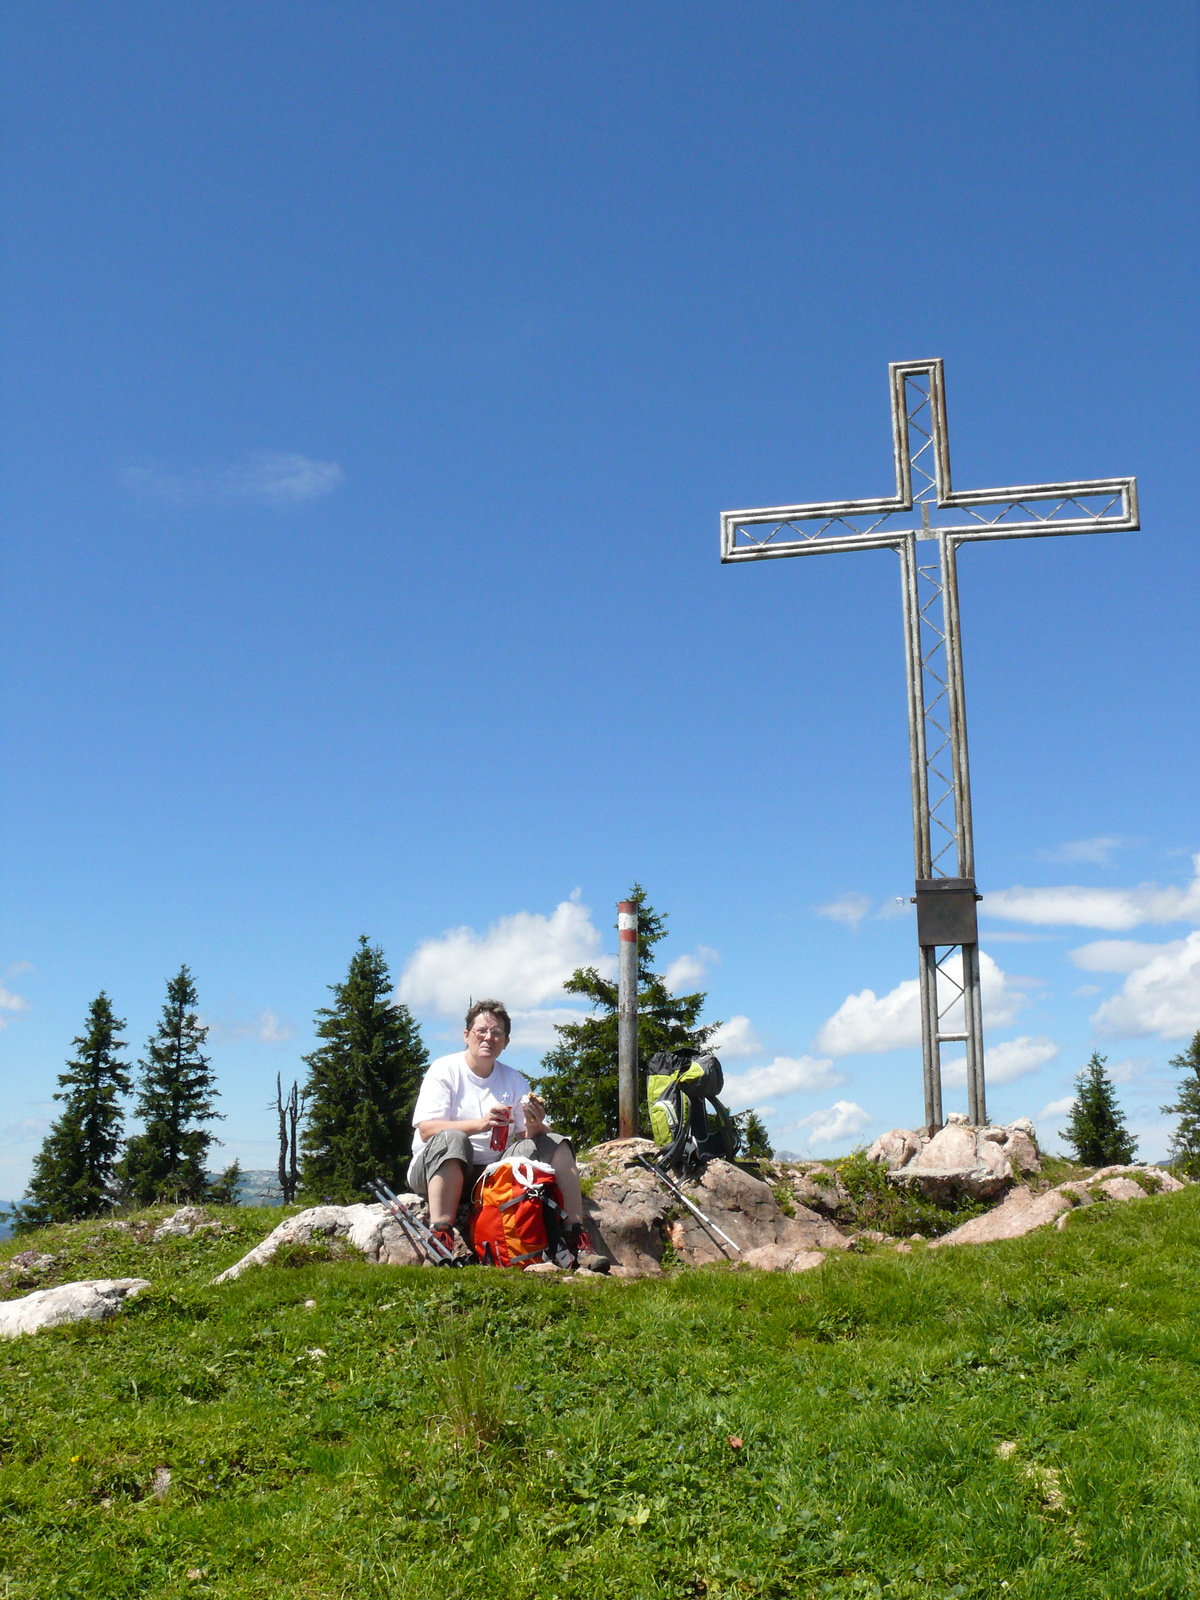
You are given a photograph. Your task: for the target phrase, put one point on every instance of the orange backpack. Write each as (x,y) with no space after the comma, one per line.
(517,1215)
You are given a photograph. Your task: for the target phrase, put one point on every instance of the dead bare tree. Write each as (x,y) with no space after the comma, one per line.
(290,1112)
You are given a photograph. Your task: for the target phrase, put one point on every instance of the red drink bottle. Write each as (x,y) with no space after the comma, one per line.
(500,1129)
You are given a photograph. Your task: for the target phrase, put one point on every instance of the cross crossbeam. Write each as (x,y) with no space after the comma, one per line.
(926,507)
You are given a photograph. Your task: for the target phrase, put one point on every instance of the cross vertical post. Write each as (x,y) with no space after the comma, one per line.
(937,720)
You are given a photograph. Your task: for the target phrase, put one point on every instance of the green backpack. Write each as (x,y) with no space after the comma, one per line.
(688,1122)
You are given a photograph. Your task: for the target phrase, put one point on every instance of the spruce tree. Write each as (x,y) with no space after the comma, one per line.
(73,1172)
(579,1082)
(1184,1149)
(176,1095)
(362,1085)
(1096,1131)
(756,1141)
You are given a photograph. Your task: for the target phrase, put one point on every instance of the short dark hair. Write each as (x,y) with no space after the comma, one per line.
(478,1007)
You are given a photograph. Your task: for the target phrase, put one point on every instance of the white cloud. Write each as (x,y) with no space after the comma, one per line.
(1085,991)
(276,479)
(1099,852)
(535,1030)
(1111,909)
(897,906)
(522,960)
(1006,1062)
(785,1075)
(735,1039)
(838,1122)
(866,1023)
(24,1131)
(11,1003)
(1160,997)
(1119,955)
(1056,1108)
(688,970)
(1130,1069)
(267,1027)
(849,908)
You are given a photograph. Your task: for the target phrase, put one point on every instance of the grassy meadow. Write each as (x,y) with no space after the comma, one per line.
(716,1433)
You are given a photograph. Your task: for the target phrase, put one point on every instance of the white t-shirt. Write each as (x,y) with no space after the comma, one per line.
(451,1090)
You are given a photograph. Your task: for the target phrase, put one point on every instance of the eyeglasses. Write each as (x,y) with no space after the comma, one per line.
(487,1033)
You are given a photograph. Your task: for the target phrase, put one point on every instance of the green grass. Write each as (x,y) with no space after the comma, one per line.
(432,1433)
(895,1209)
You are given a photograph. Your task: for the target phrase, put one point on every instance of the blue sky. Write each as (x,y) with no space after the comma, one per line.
(374,377)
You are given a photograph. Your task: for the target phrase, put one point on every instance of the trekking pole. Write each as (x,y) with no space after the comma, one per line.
(424,1238)
(673,1188)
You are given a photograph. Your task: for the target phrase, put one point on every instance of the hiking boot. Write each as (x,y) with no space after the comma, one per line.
(583,1251)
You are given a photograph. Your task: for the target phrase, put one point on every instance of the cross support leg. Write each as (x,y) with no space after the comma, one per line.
(930,1053)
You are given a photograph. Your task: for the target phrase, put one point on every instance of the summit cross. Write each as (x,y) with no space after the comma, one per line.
(926,508)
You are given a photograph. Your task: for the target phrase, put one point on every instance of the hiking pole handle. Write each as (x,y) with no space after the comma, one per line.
(674,1189)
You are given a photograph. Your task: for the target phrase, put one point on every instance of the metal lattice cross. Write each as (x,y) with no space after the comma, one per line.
(937,726)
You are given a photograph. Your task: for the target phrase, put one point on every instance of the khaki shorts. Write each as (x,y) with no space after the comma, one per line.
(451,1144)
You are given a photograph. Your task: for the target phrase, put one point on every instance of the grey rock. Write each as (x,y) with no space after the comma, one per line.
(957,1161)
(1020,1212)
(895,1149)
(1021,1151)
(183,1223)
(746,1209)
(89,1300)
(822,1190)
(369,1229)
(1025,1126)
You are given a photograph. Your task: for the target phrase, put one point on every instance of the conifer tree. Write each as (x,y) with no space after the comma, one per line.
(756,1141)
(1184,1148)
(362,1085)
(1096,1131)
(579,1081)
(73,1172)
(176,1095)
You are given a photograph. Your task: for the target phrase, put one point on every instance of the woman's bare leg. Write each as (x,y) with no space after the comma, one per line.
(445,1191)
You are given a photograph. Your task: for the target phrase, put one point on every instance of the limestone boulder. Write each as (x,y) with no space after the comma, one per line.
(1020,1212)
(957,1161)
(1121,1188)
(1157,1179)
(895,1149)
(631,1215)
(369,1229)
(822,1190)
(746,1209)
(627,1207)
(183,1223)
(1021,1151)
(953,1148)
(90,1300)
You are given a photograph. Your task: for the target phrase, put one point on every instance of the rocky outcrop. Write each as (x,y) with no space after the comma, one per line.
(183,1223)
(368,1229)
(958,1161)
(90,1300)
(632,1217)
(896,1148)
(1022,1211)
